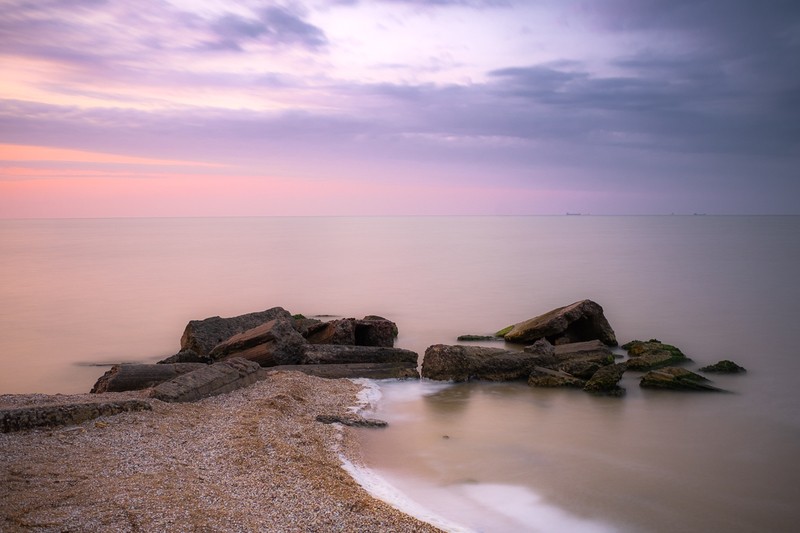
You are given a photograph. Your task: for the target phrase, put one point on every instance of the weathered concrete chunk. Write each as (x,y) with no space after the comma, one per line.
(201,336)
(581,321)
(464,363)
(545,377)
(219,378)
(272,343)
(675,378)
(352,420)
(605,380)
(332,354)
(723,367)
(186,356)
(357,370)
(369,331)
(59,415)
(127,377)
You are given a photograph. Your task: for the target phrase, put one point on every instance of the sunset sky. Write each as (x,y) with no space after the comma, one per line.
(396,107)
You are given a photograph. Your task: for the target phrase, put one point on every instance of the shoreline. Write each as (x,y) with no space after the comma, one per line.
(249,460)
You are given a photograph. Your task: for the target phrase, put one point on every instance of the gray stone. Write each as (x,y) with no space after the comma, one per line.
(541,347)
(545,377)
(219,378)
(593,350)
(581,321)
(356,370)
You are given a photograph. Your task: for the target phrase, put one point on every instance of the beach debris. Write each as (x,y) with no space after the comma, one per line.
(352,420)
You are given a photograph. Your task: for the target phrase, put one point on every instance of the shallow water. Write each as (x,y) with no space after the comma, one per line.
(95,291)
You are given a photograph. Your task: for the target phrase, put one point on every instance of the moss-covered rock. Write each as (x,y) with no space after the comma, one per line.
(675,378)
(652,354)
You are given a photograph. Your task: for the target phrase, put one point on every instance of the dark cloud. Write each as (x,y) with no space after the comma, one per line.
(274,25)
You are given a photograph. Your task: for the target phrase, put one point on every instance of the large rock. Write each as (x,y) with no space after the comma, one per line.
(464,363)
(648,355)
(320,354)
(675,378)
(594,351)
(201,336)
(219,378)
(127,377)
(272,343)
(606,380)
(581,321)
(369,331)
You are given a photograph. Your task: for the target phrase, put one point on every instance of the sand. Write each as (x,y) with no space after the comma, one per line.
(251,460)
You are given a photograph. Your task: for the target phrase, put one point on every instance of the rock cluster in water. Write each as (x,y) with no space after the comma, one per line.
(567,347)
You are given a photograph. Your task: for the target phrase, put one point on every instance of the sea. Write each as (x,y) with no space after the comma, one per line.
(79,294)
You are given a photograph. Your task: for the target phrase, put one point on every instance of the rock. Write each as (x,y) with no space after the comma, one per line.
(581,321)
(464,363)
(356,370)
(219,378)
(723,367)
(470,338)
(352,420)
(593,351)
(58,415)
(648,355)
(201,336)
(675,378)
(605,380)
(186,356)
(303,325)
(545,377)
(140,376)
(370,331)
(333,354)
(272,343)
(580,369)
(541,347)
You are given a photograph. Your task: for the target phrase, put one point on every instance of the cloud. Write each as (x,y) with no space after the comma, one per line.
(274,25)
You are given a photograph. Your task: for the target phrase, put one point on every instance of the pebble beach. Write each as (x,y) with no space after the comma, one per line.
(255,459)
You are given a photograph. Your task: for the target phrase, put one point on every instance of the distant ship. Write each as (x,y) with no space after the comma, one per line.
(573,214)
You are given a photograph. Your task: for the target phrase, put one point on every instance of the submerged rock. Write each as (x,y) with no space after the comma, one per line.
(581,321)
(545,377)
(606,380)
(652,354)
(676,378)
(464,363)
(724,367)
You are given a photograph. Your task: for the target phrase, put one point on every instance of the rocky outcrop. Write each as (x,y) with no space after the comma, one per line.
(219,378)
(675,378)
(369,331)
(581,321)
(127,377)
(464,363)
(272,343)
(201,336)
(723,367)
(64,414)
(652,354)
(606,380)
(593,351)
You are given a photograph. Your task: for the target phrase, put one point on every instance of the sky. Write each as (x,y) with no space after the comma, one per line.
(111,108)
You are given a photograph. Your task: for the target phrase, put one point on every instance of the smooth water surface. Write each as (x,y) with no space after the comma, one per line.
(81,292)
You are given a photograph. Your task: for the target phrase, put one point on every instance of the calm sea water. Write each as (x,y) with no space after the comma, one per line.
(490,457)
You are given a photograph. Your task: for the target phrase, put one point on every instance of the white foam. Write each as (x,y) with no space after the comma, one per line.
(368,397)
(380,488)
